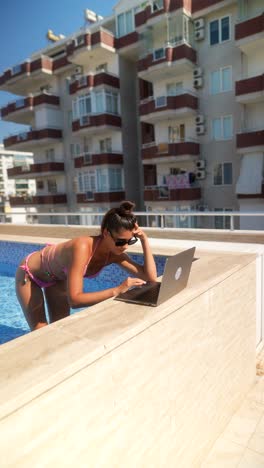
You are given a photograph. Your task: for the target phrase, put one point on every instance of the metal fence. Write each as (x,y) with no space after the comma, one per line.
(162,219)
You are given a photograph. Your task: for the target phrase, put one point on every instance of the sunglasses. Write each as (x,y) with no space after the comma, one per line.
(122,242)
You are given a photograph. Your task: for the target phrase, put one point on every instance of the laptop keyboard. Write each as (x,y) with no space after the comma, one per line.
(148,293)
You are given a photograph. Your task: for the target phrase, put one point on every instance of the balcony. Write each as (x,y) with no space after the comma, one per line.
(163,193)
(250,141)
(129,45)
(28,140)
(249,34)
(166,61)
(100,197)
(96,123)
(250,90)
(93,80)
(203,7)
(97,159)
(30,75)
(165,107)
(169,152)
(36,170)
(103,41)
(151,14)
(54,199)
(22,110)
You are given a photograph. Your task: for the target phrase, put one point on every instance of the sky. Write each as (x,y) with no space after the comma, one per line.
(23,28)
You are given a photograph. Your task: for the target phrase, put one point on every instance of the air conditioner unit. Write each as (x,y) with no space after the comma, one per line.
(200,164)
(199,119)
(89,195)
(84,120)
(200,174)
(87,158)
(78,70)
(199,23)
(200,129)
(197,72)
(198,82)
(199,35)
(161,101)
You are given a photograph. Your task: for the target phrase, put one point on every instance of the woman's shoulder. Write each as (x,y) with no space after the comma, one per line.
(82,242)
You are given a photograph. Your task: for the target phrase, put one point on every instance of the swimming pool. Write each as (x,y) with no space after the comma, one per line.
(12,321)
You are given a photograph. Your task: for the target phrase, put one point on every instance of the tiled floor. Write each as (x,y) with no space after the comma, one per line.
(242,443)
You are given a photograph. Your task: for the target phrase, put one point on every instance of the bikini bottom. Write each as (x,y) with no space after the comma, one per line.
(41,284)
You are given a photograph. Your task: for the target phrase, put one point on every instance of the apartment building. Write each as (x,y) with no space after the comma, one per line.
(161,103)
(10,187)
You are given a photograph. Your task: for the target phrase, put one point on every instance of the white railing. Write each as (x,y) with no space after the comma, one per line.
(145,216)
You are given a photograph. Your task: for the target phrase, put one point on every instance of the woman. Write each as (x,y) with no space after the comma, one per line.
(58,270)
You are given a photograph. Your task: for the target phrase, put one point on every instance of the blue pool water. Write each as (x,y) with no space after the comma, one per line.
(12,321)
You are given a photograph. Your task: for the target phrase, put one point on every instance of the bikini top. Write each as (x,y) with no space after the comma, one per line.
(53,268)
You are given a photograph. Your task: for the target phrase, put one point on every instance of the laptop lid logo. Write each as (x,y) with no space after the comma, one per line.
(178,273)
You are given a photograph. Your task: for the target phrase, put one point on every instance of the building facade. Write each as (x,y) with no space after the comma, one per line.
(161,103)
(10,187)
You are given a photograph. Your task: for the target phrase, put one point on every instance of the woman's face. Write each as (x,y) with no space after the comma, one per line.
(120,240)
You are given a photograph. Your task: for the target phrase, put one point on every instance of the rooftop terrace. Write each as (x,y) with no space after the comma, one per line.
(173,386)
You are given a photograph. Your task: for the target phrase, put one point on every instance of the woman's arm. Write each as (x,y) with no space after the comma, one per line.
(147,271)
(82,250)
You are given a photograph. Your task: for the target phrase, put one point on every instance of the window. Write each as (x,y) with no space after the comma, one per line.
(159,54)
(125,23)
(219,30)
(40,184)
(106,145)
(50,154)
(223,174)
(109,179)
(221,80)
(222,222)
(111,102)
(222,128)
(52,186)
(81,106)
(176,133)
(75,149)
(87,181)
(173,89)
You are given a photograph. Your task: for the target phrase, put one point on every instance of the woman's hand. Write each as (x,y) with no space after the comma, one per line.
(127,284)
(139,233)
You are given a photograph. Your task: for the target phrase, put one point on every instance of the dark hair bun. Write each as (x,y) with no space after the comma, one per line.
(127,207)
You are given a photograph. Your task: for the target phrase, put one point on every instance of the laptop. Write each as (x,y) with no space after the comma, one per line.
(175,278)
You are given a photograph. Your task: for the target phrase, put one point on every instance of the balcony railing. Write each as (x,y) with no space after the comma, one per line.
(254,84)
(93,80)
(35,168)
(153,150)
(249,138)
(94,159)
(185,99)
(101,197)
(39,200)
(33,135)
(29,103)
(168,53)
(163,192)
(250,27)
(97,120)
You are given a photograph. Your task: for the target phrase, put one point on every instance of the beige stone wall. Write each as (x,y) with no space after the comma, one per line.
(120,385)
